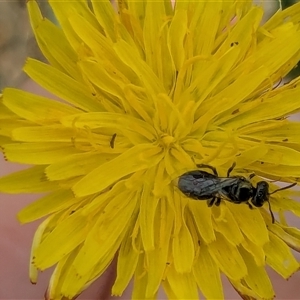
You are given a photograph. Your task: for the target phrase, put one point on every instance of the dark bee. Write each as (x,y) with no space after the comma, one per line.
(201,185)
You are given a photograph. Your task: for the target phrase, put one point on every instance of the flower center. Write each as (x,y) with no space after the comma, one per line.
(166,140)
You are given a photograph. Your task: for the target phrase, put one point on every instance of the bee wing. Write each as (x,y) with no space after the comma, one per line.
(202,185)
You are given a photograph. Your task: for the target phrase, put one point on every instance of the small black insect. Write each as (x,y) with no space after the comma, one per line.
(201,185)
(112,141)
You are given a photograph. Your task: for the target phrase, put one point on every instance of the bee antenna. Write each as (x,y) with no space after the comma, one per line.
(271,213)
(284,188)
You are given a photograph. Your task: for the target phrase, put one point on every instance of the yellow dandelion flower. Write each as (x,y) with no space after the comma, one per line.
(148,91)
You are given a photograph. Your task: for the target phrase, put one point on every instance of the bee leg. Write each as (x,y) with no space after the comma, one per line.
(249,205)
(251,175)
(211,202)
(230,169)
(208,167)
(217,203)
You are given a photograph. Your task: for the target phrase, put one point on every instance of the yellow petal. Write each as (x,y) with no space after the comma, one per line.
(52,42)
(227,225)
(111,120)
(273,131)
(35,108)
(285,203)
(48,253)
(7,127)
(76,165)
(255,250)
(64,9)
(4,140)
(255,228)
(182,244)
(37,238)
(281,155)
(106,16)
(108,232)
(74,283)
(251,155)
(148,208)
(206,80)
(51,133)
(204,12)
(292,240)
(228,258)
(207,275)
(155,27)
(59,275)
(279,105)
(280,258)
(127,261)
(243,290)
(137,158)
(101,45)
(32,180)
(62,85)
(6,113)
(130,56)
(106,79)
(180,286)
(177,34)
(242,33)
(202,215)
(37,153)
(290,13)
(257,278)
(140,280)
(46,205)
(157,260)
(225,104)
(276,171)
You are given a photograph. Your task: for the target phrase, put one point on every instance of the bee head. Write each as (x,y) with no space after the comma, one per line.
(261,194)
